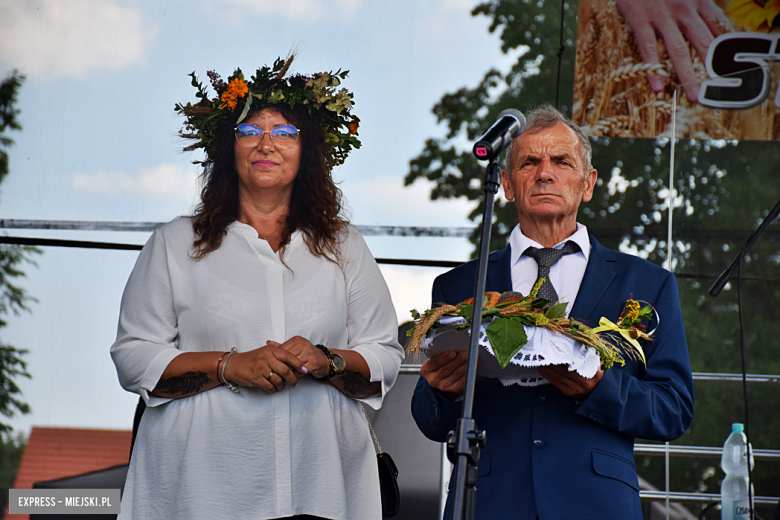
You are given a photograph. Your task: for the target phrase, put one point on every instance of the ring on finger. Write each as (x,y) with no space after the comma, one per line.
(270,376)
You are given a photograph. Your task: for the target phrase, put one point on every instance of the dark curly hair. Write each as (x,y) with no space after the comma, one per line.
(316,204)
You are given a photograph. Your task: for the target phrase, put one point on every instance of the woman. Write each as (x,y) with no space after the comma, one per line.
(254,329)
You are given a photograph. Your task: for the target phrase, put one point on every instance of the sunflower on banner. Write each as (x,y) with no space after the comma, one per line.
(755,15)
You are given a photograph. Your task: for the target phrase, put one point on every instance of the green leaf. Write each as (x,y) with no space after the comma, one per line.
(466,310)
(491,311)
(575,326)
(645,313)
(507,337)
(505,304)
(556,311)
(528,319)
(245,112)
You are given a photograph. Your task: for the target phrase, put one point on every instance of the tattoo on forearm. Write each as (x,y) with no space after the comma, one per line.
(355,383)
(186,384)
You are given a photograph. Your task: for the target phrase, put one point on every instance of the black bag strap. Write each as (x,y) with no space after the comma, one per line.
(373,434)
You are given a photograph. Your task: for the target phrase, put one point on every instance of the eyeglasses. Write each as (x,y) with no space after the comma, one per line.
(282,136)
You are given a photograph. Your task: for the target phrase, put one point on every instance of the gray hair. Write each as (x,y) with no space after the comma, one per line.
(547,116)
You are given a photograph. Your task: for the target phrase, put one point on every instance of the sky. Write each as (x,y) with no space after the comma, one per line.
(99,144)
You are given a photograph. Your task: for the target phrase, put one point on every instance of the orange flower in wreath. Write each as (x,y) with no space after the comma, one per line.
(235,89)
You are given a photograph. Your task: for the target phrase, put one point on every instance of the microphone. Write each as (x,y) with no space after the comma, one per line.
(510,124)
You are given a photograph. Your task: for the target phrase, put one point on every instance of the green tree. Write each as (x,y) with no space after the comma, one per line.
(13,298)
(11,449)
(531,29)
(722,190)
(13,301)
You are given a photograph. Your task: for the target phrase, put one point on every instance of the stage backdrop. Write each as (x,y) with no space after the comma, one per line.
(627,70)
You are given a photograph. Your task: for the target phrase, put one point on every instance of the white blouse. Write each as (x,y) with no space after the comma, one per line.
(304,450)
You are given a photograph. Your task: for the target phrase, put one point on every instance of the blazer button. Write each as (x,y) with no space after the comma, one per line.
(538,443)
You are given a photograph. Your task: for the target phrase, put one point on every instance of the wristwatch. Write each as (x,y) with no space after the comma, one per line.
(337,364)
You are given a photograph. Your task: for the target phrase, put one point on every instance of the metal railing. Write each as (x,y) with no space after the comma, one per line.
(701,498)
(699,451)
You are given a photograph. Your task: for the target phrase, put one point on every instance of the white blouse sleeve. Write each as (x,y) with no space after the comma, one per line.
(148,327)
(371,318)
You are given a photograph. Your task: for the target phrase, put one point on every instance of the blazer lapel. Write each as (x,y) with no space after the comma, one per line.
(499,276)
(598,275)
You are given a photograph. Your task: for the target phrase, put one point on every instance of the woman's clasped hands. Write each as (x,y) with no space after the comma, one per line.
(271,366)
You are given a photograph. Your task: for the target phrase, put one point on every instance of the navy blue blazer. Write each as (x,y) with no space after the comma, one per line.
(546,454)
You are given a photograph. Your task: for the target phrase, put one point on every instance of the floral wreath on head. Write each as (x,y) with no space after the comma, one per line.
(267,88)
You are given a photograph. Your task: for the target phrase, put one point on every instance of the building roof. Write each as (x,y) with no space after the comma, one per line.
(54,453)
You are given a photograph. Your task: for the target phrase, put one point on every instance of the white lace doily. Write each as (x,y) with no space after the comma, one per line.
(544,348)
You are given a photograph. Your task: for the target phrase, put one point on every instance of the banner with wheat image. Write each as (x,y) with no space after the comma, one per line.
(613,88)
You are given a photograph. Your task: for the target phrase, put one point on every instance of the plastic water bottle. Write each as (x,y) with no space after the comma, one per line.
(735,504)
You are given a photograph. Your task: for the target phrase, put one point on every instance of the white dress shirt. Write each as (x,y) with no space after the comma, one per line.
(566,275)
(217,454)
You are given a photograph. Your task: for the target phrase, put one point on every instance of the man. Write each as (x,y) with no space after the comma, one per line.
(563,450)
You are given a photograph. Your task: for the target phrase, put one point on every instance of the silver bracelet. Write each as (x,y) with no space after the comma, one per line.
(230,385)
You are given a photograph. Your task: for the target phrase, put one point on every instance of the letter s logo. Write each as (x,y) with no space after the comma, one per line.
(736,62)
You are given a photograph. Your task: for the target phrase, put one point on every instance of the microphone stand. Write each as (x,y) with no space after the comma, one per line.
(464,443)
(714,291)
(724,276)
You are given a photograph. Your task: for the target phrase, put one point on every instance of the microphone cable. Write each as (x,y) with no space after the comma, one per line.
(742,254)
(561,49)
